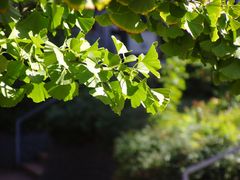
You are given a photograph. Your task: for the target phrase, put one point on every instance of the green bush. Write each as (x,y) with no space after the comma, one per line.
(178,140)
(86,119)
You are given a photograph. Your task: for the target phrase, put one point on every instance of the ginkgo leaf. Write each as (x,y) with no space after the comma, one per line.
(152,62)
(125,19)
(142,6)
(38,93)
(10,97)
(120,47)
(124,2)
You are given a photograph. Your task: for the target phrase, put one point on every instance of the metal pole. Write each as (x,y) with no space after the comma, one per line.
(18,142)
(185,176)
(203,164)
(19,121)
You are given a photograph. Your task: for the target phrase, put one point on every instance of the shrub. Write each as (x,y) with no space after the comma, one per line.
(85,119)
(178,140)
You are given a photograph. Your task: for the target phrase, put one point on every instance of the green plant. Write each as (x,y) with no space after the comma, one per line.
(34,65)
(178,140)
(78,121)
(201,29)
(174,75)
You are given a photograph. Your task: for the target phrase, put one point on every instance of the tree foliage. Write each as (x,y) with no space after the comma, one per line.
(34,65)
(208,30)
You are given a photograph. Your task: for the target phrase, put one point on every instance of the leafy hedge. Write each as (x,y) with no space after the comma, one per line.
(178,140)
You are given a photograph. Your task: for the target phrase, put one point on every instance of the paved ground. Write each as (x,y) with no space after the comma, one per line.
(87,161)
(14,175)
(82,162)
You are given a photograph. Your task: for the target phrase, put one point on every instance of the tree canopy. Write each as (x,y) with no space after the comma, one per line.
(34,65)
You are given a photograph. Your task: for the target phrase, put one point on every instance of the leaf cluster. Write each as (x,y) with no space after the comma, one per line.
(37,65)
(208,30)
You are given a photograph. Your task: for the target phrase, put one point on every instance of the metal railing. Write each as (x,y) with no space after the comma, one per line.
(203,164)
(20,121)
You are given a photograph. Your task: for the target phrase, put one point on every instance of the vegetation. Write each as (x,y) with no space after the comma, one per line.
(35,65)
(76,121)
(178,140)
(44,54)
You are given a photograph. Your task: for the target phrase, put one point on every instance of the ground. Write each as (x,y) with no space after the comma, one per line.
(87,161)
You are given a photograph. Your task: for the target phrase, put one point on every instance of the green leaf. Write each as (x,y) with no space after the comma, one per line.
(231,71)
(104,20)
(75,44)
(111,59)
(62,92)
(116,96)
(141,67)
(214,34)
(235,25)
(85,24)
(80,73)
(105,75)
(3,63)
(207,45)
(235,9)
(214,11)
(128,88)
(15,69)
(130,58)
(157,100)
(162,95)
(124,2)
(49,58)
(36,73)
(43,3)
(139,96)
(178,47)
(100,4)
(10,97)
(195,27)
(110,94)
(169,32)
(37,40)
(125,19)
(171,49)
(165,14)
(152,62)
(176,11)
(73,92)
(57,13)
(223,49)
(38,93)
(34,22)
(120,47)
(60,57)
(100,94)
(13,50)
(174,32)
(142,6)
